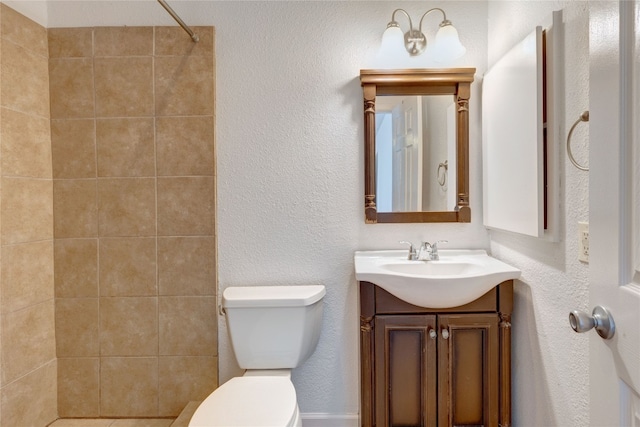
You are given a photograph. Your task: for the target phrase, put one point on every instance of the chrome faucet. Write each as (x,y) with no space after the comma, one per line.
(412,256)
(429,251)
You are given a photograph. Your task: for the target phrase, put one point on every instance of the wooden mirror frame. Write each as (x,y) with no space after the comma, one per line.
(447,81)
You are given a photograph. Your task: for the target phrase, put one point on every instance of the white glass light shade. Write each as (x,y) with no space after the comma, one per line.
(392,52)
(447,46)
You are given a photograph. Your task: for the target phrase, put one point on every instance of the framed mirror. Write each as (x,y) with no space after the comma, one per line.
(416,145)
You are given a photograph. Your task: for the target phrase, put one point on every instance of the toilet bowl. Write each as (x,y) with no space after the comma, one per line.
(250,401)
(273,329)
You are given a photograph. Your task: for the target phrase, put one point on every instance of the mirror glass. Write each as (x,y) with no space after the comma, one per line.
(415,153)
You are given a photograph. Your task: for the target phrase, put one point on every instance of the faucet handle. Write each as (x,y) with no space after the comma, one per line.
(412,251)
(435,244)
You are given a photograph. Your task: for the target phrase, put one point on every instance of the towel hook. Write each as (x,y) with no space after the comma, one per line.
(442,178)
(584,117)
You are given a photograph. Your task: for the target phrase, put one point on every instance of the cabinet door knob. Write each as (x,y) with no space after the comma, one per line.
(445,334)
(433,334)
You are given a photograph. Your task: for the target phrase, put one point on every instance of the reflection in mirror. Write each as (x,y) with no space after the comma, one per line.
(415,153)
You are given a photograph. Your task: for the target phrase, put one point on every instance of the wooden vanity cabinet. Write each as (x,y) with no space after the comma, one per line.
(435,367)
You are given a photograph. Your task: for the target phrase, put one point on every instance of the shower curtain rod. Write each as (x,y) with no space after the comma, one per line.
(175,16)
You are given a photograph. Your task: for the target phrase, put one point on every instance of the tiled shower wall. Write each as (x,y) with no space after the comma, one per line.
(132,137)
(28,358)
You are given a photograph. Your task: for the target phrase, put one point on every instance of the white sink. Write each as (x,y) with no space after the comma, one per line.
(459,277)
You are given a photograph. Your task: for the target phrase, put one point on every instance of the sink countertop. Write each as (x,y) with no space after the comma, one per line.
(459,277)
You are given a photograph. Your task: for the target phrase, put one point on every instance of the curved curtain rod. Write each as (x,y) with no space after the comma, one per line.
(175,16)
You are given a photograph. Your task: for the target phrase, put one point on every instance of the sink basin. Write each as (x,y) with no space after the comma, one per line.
(459,277)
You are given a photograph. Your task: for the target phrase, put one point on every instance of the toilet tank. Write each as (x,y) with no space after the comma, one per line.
(273,327)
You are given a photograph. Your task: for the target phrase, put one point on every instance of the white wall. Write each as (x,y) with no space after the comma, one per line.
(290,177)
(550,365)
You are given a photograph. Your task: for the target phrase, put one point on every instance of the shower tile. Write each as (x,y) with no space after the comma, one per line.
(184,85)
(125,147)
(128,326)
(27,274)
(21,30)
(185,145)
(128,387)
(26,145)
(186,206)
(70,42)
(127,207)
(71,85)
(73,148)
(25,82)
(188,326)
(79,389)
(186,266)
(32,399)
(23,353)
(171,41)
(77,333)
(75,208)
(184,379)
(124,86)
(123,41)
(128,266)
(26,210)
(76,268)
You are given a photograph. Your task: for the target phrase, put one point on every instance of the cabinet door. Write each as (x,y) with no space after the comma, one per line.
(468,364)
(405,366)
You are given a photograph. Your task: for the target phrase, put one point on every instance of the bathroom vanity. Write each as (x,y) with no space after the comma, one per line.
(435,367)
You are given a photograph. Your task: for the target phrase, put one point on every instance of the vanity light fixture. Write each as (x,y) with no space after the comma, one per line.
(446,46)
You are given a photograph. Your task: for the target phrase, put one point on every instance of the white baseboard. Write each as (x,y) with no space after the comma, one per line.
(330,420)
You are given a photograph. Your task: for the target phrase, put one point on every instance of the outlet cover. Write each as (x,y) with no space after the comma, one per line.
(583,242)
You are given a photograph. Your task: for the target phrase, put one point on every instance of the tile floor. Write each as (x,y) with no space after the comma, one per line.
(104,422)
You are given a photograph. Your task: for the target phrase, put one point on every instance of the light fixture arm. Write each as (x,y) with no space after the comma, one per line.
(395,23)
(444,22)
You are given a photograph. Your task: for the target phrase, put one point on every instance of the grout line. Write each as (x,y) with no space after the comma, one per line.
(117,177)
(155,163)
(95,146)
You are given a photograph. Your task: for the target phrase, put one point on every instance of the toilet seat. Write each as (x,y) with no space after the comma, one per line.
(249,401)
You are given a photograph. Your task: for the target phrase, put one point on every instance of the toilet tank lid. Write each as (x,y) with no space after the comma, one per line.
(272,296)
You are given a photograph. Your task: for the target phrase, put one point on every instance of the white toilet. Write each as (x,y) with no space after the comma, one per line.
(273,329)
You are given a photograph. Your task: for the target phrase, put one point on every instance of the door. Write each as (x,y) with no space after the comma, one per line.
(405,366)
(614,211)
(407,155)
(468,366)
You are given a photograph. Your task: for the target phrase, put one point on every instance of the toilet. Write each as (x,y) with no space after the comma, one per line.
(273,329)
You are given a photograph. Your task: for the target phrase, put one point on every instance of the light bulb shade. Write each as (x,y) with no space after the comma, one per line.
(392,51)
(447,46)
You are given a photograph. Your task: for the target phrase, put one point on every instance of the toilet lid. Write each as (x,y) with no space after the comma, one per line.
(253,401)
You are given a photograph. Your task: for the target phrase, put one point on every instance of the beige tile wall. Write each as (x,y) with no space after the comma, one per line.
(132,140)
(28,369)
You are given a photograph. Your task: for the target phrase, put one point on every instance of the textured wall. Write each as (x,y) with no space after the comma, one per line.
(289,137)
(28,370)
(132,123)
(550,361)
